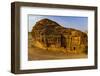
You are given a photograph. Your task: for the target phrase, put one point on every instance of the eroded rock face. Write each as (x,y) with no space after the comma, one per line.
(51,35)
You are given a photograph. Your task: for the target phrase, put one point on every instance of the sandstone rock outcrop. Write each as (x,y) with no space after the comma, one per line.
(50,35)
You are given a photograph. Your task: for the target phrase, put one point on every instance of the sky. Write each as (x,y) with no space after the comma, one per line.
(76,22)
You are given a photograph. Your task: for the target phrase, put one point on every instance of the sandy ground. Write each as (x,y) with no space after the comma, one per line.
(35,53)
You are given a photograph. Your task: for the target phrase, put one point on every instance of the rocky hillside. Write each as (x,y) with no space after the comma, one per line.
(50,34)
